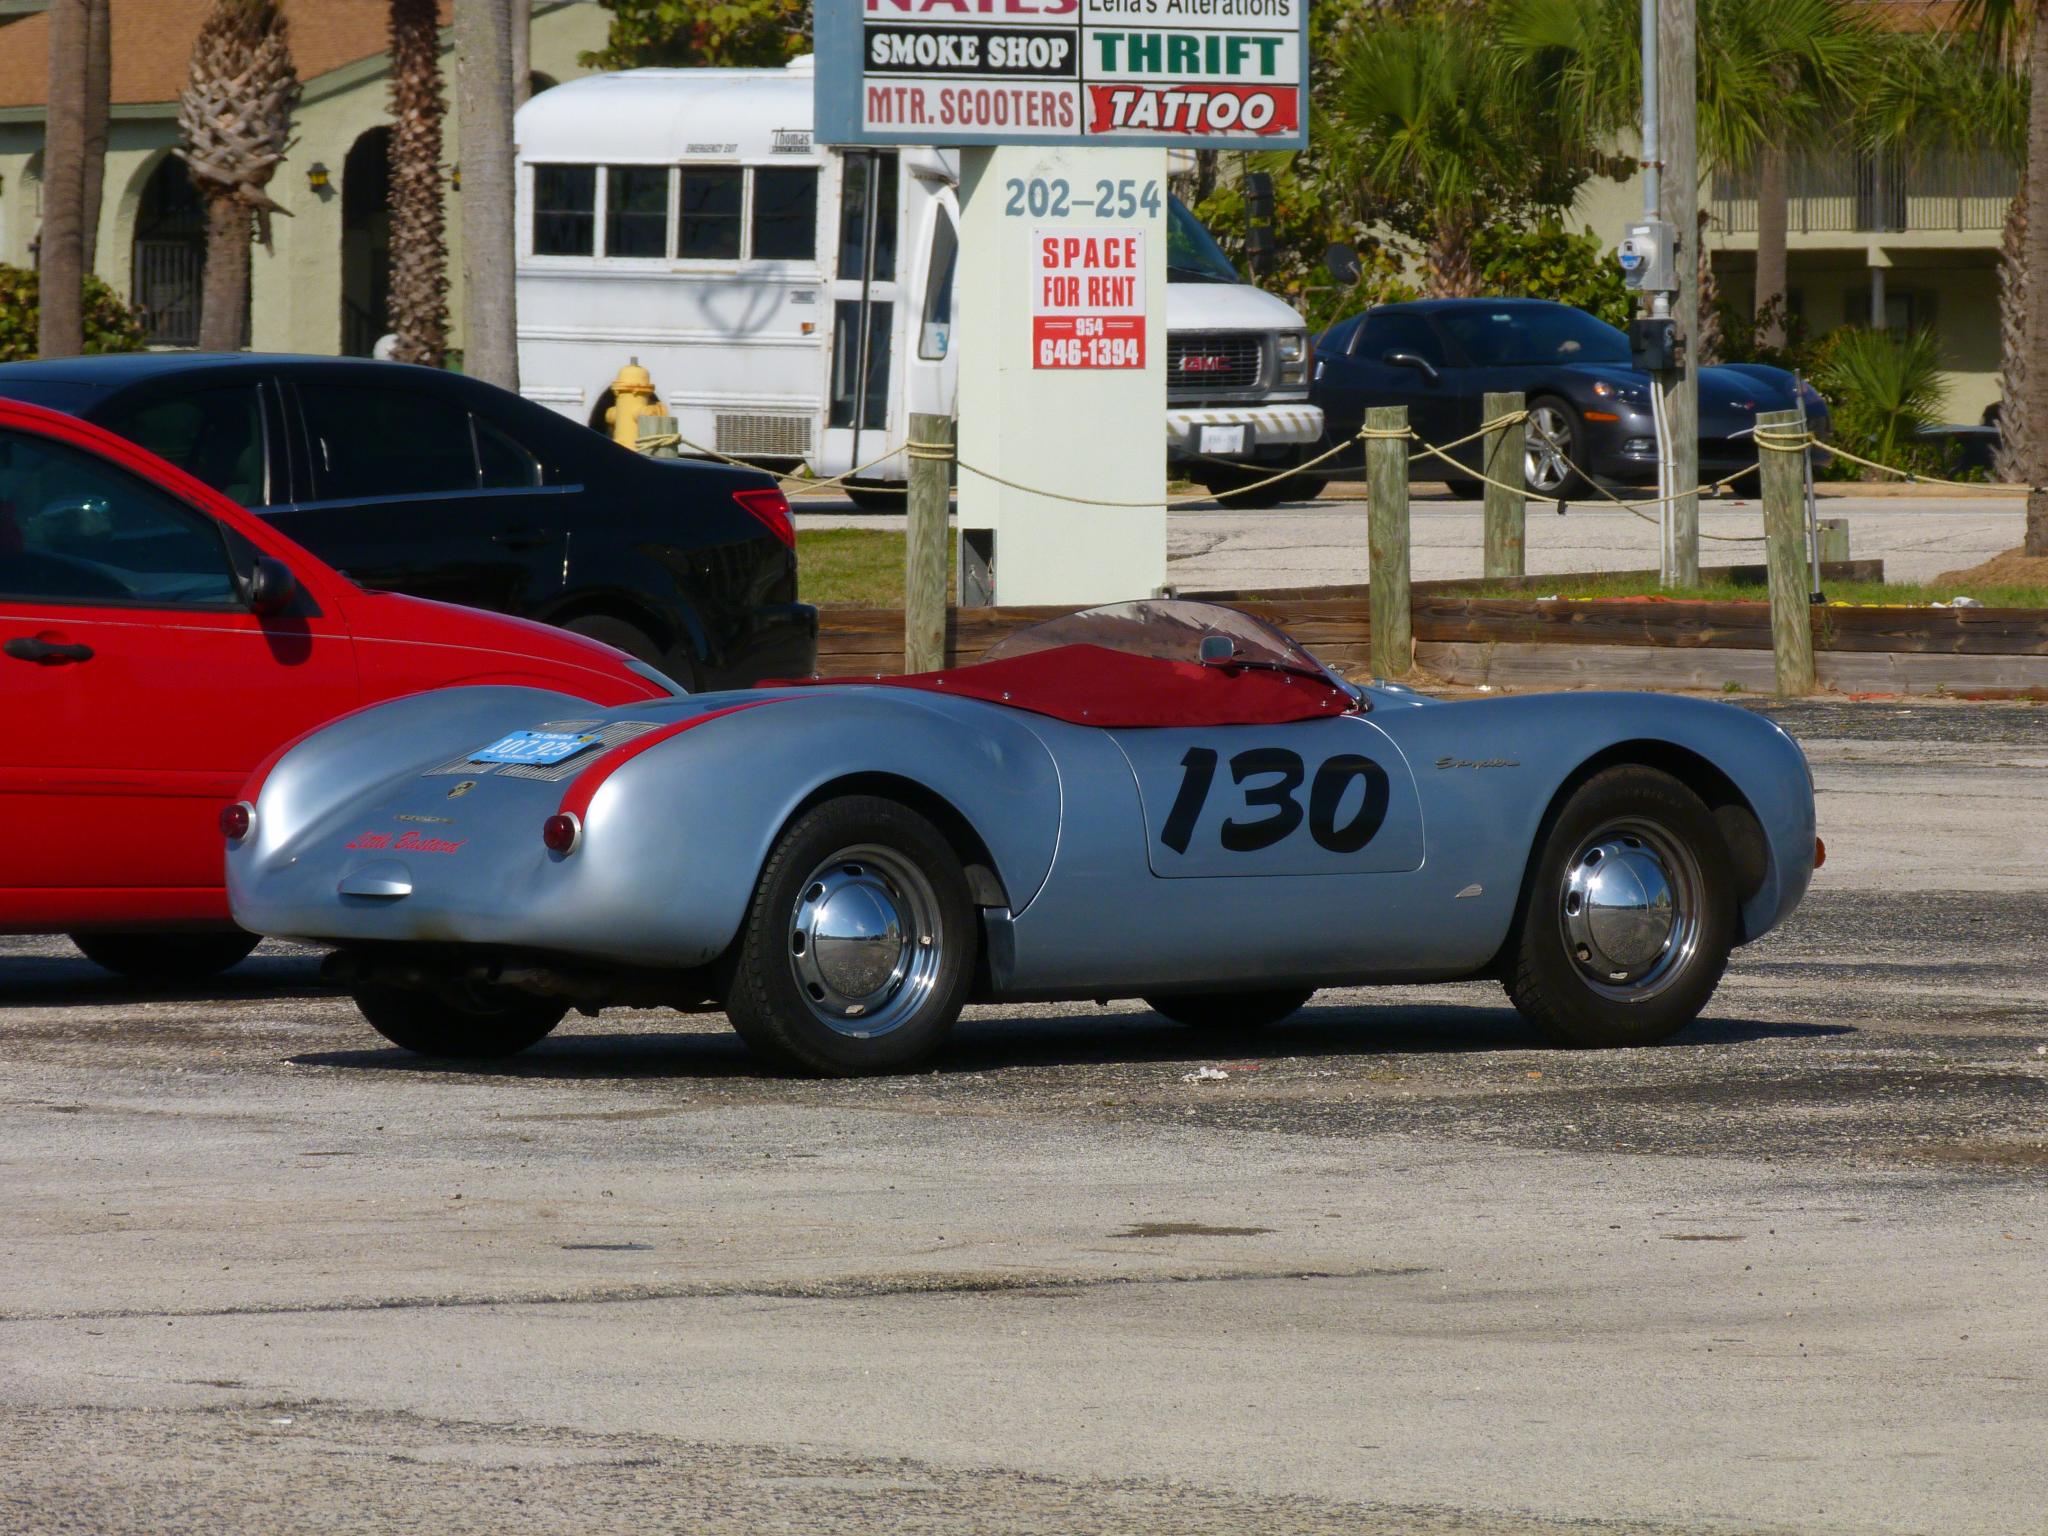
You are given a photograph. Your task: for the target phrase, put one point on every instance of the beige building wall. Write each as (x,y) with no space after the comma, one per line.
(1940,276)
(296,286)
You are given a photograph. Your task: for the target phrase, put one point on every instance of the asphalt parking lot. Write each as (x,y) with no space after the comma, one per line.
(1399,1270)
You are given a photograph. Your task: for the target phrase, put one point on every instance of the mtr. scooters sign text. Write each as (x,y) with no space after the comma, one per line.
(1197,73)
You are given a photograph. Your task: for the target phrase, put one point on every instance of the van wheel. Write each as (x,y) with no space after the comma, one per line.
(859,944)
(1227,483)
(467,1021)
(878,498)
(166,957)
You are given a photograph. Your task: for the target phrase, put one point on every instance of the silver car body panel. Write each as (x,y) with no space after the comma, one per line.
(1402,858)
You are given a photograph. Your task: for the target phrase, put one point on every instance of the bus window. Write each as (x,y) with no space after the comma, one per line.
(636,210)
(564,210)
(710,225)
(785,214)
(935,335)
(865,174)
(848,410)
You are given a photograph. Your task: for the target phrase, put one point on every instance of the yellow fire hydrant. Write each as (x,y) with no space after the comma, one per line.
(633,396)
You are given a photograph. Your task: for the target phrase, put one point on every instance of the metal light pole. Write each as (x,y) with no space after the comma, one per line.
(1677,103)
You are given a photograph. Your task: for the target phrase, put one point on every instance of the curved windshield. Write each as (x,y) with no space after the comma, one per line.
(1192,254)
(1167,629)
(1508,335)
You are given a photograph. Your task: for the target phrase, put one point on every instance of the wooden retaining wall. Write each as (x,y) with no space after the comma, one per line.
(1333,622)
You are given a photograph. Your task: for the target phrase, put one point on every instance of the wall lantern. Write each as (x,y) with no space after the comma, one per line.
(316,176)
(455,178)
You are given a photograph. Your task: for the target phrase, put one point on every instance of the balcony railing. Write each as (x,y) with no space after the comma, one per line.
(1863,193)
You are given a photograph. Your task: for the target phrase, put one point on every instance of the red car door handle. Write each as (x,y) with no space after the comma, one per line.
(48,652)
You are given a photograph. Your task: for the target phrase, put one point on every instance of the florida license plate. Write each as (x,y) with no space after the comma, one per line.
(535,749)
(1222,439)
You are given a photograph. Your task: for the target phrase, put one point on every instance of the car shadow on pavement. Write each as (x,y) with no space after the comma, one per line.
(72,981)
(990,1042)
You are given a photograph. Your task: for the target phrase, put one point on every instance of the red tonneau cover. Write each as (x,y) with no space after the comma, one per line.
(1094,685)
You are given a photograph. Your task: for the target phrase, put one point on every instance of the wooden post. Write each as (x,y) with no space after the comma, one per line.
(1785,550)
(1677,144)
(1507,512)
(1386,509)
(925,541)
(659,426)
(1834,540)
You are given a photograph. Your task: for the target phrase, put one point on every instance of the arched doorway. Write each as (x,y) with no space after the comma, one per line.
(170,255)
(365,242)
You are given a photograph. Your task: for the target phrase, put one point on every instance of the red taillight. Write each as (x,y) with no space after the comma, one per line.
(562,832)
(770,508)
(236,820)
(1820,853)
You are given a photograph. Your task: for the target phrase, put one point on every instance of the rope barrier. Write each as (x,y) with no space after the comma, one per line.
(1770,439)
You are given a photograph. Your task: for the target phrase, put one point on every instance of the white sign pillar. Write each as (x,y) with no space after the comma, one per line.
(1060,330)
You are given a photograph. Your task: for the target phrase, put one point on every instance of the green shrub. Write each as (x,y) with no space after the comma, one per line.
(111,325)
(1548,262)
(1881,388)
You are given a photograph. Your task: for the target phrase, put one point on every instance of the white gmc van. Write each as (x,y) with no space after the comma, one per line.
(794,303)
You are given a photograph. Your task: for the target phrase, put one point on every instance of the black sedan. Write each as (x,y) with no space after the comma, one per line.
(416,480)
(1589,406)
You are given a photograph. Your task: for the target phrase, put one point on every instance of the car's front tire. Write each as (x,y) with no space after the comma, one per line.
(166,957)
(1228,483)
(859,944)
(1553,449)
(1230,1010)
(1628,916)
(474,1022)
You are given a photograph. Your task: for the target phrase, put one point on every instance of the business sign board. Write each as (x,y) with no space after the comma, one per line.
(1188,74)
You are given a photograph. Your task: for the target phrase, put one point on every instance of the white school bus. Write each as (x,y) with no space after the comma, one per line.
(793,302)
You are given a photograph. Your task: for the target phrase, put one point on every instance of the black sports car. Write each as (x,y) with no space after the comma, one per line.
(421,481)
(1589,406)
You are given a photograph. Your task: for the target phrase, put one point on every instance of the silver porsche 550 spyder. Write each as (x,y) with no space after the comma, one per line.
(1168,800)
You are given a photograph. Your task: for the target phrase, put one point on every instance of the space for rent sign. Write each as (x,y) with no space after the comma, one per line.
(1088,298)
(1194,74)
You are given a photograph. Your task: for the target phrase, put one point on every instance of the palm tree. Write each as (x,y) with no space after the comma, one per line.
(2011,30)
(61,326)
(419,240)
(1434,134)
(1935,93)
(483,88)
(1773,74)
(235,119)
(99,70)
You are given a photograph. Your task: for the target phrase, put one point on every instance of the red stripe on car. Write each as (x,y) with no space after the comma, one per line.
(584,787)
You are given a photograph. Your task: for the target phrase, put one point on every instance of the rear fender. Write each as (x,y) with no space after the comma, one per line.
(690,823)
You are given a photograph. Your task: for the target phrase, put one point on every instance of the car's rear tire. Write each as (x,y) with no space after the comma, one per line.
(1554,446)
(1628,915)
(1230,1010)
(859,944)
(166,957)
(474,1023)
(618,634)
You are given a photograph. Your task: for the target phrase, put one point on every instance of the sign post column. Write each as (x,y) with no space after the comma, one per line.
(1062,346)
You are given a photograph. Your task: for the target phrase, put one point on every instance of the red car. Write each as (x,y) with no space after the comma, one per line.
(156,644)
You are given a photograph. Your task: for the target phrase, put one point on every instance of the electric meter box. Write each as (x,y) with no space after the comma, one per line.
(1649,256)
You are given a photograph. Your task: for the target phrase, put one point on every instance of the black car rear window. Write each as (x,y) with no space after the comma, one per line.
(386,442)
(1511,335)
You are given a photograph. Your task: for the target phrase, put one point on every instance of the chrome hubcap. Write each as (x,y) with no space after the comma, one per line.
(1546,448)
(864,941)
(1630,909)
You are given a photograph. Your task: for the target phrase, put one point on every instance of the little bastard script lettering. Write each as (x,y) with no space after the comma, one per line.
(410,842)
